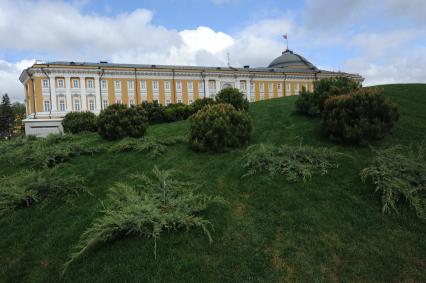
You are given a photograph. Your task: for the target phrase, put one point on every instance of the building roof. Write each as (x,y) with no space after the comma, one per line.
(290,60)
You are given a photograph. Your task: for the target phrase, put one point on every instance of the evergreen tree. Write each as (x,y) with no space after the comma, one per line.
(7,118)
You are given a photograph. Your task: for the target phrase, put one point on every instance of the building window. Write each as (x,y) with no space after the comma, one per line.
(104,84)
(271,87)
(179,100)
(155,84)
(60,83)
(118,101)
(190,85)
(212,84)
(279,86)
(288,87)
(261,87)
(75,83)
(91,105)
(77,105)
(305,86)
(45,83)
(251,86)
(243,85)
(200,86)
(143,84)
(46,106)
(296,87)
(90,84)
(105,103)
(167,84)
(167,101)
(131,102)
(178,85)
(62,105)
(118,85)
(130,84)
(190,101)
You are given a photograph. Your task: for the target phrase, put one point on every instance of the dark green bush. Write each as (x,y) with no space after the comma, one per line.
(312,104)
(118,121)
(76,122)
(201,103)
(176,112)
(154,111)
(360,117)
(234,97)
(219,127)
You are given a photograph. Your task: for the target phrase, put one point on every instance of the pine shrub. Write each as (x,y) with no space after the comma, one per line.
(360,117)
(177,111)
(76,122)
(219,127)
(201,103)
(153,146)
(118,121)
(399,176)
(155,204)
(234,97)
(29,187)
(294,162)
(312,104)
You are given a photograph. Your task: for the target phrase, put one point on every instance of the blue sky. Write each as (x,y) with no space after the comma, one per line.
(383,40)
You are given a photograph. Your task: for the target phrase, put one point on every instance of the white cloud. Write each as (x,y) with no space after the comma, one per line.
(9,82)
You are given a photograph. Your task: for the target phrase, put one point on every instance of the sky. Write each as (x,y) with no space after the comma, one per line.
(383,40)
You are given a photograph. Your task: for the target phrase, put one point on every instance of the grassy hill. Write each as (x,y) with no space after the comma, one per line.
(328,229)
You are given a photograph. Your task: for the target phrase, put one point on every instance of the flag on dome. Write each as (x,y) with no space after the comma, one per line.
(285,36)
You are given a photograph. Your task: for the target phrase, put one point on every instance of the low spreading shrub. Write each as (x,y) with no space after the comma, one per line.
(312,104)
(49,151)
(219,127)
(153,146)
(201,103)
(234,97)
(154,111)
(118,121)
(76,122)
(360,117)
(155,204)
(29,187)
(294,162)
(399,176)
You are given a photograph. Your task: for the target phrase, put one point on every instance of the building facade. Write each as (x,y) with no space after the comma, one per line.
(56,88)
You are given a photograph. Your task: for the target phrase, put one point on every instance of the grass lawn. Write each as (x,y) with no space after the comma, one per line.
(330,228)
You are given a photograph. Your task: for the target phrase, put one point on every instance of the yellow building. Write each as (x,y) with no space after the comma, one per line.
(56,88)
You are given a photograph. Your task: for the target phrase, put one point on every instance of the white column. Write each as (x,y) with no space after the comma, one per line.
(206,87)
(52,85)
(83,94)
(68,93)
(98,101)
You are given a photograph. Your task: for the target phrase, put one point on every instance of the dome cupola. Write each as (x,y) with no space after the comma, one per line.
(288,59)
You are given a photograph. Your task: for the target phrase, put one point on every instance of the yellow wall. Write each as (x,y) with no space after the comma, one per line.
(266,90)
(196,94)
(111,95)
(184,91)
(124,91)
(161,97)
(256,91)
(39,94)
(149,89)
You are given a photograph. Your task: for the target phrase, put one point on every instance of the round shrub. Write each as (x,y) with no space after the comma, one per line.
(219,128)
(201,103)
(75,122)
(118,121)
(234,97)
(360,117)
(176,112)
(312,104)
(154,111)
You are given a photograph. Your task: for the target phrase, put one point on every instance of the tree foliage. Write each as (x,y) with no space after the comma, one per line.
(234,97)
(7,118)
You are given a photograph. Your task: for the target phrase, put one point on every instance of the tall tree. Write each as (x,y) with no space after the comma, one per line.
(7,118)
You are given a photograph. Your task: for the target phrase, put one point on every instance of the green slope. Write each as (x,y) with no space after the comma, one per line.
(328,229)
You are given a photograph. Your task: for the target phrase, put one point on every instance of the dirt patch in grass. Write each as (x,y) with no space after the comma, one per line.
(277,261)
